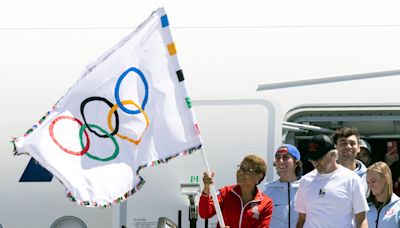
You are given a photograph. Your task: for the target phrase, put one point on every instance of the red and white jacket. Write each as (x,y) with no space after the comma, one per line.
(256,213)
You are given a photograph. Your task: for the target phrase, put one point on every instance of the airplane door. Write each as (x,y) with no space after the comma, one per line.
(230,129)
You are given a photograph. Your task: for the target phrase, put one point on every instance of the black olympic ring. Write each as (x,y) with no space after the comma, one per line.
(109,104)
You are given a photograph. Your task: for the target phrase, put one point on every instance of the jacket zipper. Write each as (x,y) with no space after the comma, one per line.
(289,202)
(377,218)
(242,211)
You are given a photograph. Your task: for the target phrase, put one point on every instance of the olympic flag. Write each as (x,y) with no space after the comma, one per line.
(128,110)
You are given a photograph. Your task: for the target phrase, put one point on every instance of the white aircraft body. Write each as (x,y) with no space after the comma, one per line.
(259,73)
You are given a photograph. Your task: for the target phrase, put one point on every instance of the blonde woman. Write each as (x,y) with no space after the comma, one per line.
(384,205)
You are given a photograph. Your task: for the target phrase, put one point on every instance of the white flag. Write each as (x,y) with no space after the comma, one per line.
(130,109)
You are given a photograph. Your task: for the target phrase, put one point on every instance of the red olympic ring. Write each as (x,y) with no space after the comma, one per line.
(83,151)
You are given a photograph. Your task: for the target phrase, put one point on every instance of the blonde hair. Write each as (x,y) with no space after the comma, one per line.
(383,169)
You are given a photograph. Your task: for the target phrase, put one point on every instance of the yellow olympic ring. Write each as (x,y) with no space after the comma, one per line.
(112,110)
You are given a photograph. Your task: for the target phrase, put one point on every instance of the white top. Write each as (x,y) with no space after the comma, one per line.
(330,200)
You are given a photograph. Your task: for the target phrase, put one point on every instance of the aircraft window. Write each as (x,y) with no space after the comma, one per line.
(68,222)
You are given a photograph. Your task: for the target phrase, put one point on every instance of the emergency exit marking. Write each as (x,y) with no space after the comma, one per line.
(194,179)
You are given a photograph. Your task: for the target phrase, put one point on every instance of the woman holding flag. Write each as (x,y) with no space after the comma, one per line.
(242,204)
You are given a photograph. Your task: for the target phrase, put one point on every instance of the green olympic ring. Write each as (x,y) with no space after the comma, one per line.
(113,156)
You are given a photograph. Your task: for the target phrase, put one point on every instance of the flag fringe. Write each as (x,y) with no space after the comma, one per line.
(15,152)
(136,188)
(35,126)
(14,146)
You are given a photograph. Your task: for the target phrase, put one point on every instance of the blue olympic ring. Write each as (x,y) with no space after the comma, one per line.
(118,85)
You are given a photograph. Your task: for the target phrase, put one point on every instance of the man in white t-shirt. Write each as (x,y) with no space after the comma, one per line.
(331,195)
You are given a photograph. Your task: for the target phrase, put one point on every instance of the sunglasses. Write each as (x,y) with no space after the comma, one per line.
(246,170)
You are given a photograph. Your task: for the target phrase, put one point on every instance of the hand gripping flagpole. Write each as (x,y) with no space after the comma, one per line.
(213,193)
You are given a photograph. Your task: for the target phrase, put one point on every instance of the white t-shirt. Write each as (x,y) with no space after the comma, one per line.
(330,200)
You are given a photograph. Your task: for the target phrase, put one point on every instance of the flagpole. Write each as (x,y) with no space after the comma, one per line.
(213,193)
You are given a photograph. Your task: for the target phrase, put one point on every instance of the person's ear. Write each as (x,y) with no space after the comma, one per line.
(299,163)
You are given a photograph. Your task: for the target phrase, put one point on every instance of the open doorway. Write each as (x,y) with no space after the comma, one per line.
(378,124)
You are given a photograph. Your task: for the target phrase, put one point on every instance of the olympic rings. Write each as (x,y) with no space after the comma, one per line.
(84,148)
(118,85)
(114,108)
(109,104)
(114,131)
(113,156)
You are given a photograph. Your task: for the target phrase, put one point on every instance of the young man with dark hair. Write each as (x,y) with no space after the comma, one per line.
(347,141)
(282,191)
